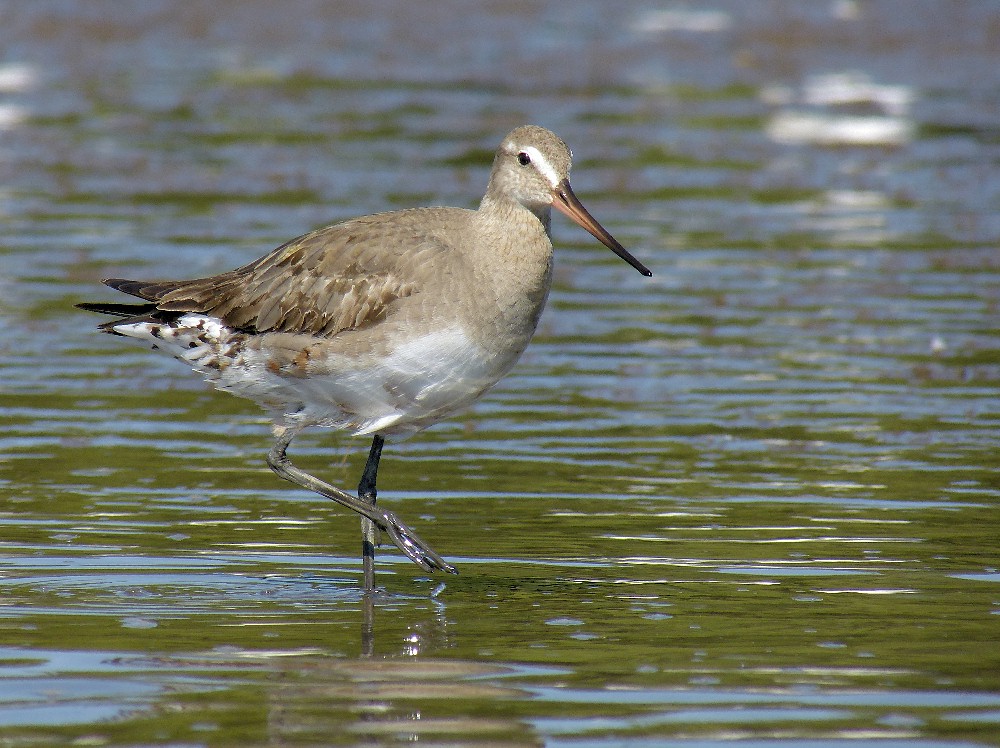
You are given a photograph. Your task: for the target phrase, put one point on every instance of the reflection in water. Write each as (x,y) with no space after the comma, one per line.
(421,636)
(393,688)
(368,624)
(405,699)
(755,498)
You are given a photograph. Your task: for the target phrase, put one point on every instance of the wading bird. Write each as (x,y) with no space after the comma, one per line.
(381,325)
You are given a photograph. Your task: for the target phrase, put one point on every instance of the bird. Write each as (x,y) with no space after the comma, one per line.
(380,325)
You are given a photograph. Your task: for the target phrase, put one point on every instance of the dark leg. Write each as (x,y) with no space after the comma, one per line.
(368,493)
(404,538)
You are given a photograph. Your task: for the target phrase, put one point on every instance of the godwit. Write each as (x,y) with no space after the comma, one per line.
(381,325)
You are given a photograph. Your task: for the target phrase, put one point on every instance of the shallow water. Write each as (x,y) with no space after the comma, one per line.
(754,497)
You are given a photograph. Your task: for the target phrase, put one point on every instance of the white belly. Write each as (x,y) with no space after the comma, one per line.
(421,381)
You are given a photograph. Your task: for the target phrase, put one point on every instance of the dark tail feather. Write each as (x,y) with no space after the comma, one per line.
(119,310)
(134,312)
(148,290)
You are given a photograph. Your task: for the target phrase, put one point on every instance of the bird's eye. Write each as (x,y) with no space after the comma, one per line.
(523,158)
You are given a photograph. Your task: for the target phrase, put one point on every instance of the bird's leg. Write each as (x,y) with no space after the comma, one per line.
(368,493)
(404,538)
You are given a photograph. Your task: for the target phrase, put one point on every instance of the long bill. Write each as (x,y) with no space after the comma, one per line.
(569,204)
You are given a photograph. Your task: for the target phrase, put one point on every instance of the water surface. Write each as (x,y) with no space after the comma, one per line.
(754,497)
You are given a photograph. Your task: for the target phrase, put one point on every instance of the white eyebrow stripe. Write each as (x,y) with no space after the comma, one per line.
(543,166)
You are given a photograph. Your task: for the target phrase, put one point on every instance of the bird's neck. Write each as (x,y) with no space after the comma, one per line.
(515,252)
(514,233)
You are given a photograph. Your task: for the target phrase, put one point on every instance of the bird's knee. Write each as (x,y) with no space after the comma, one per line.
(277,460)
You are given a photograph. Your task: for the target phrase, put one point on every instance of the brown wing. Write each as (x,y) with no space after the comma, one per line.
(345,276)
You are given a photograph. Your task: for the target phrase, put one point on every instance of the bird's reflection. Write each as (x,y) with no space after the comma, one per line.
(422,635)
(368,625)
(389,692)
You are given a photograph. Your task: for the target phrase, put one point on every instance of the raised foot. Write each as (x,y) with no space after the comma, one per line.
(405,539)
(410,543)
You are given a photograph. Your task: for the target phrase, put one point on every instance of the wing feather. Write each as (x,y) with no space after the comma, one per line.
(345,276)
